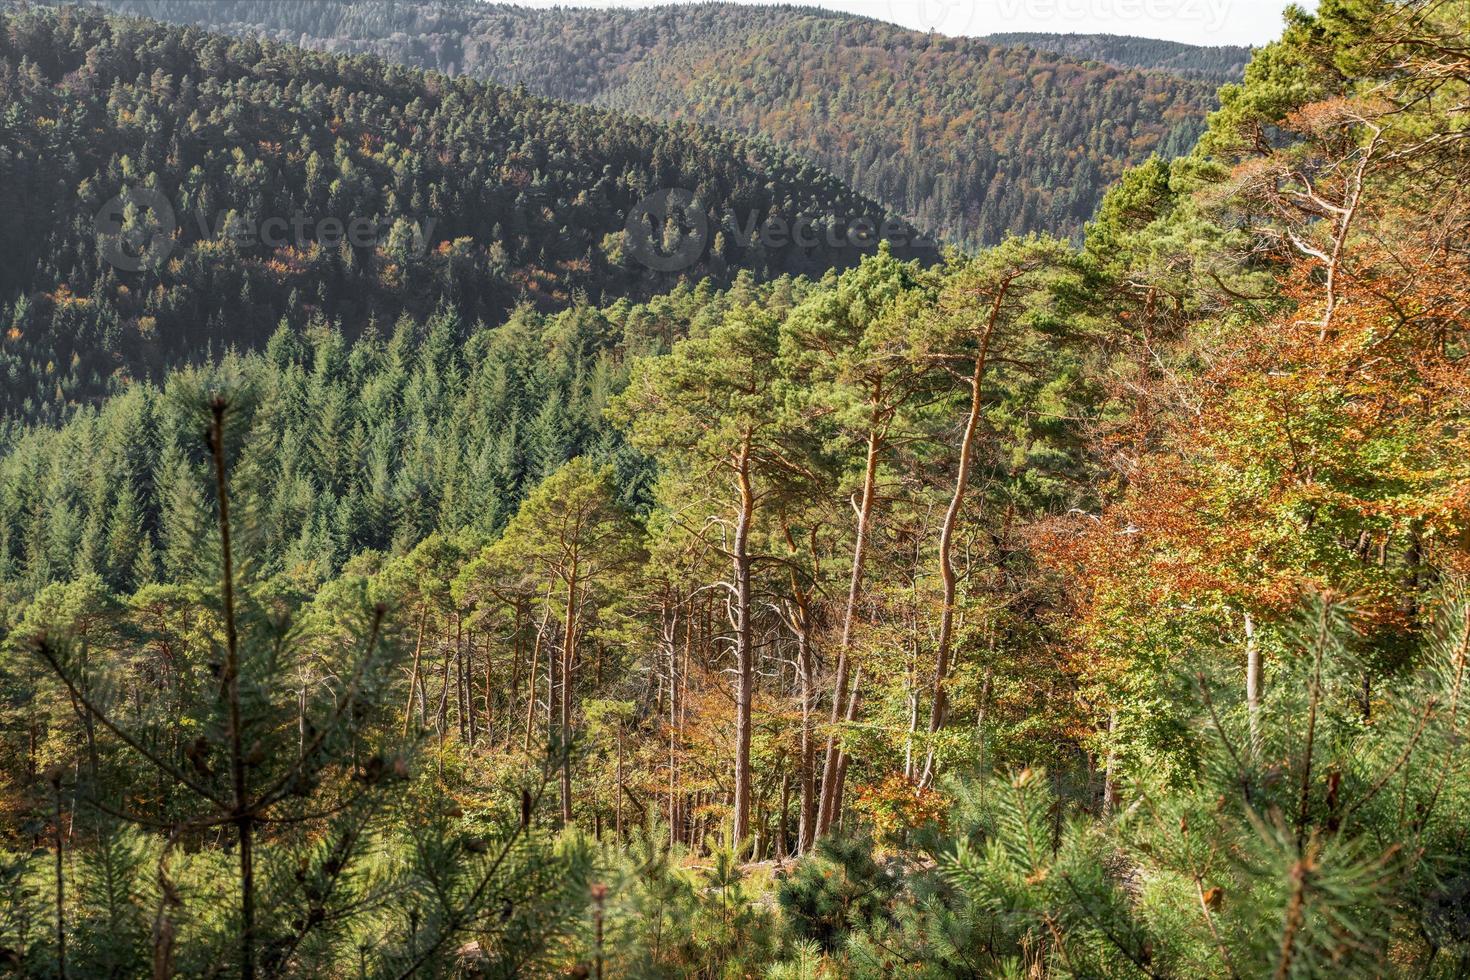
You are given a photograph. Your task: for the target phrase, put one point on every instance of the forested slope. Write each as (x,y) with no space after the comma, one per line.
(966,137)
(368,444)
(260,180)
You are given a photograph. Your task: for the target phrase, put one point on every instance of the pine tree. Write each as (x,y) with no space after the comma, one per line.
(285,765)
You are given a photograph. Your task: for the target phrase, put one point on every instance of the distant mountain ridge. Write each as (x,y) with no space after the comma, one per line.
(1218,63)
(963,136)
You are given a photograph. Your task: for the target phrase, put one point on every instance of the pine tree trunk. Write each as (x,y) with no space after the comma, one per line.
(671,618)
(488,725)
(441,712)
(413,674)
(831,768)
(517,649)
(806,827)
(744,652)
(799,621)
(532,680)
(568,651)
(461,722)
(849,716)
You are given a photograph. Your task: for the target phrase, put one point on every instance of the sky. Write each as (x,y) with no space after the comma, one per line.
(1190,21)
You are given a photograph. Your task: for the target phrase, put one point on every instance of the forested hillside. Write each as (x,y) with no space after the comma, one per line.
(259,181)
(1059,609)
(967,138)
(1224,63)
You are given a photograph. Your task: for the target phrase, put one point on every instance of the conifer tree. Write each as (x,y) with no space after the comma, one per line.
(278,755)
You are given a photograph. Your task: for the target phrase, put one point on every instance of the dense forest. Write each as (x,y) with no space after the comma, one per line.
(1224,63)
(1054,608)
(267,181)
(966,138)
(368,445)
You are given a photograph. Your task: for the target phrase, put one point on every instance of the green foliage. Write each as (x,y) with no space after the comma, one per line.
(840,890)
(256,748)
(649,923)
(1329,848)
(1053,498)
(112,926)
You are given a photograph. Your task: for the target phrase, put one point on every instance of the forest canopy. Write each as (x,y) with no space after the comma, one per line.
(972,139)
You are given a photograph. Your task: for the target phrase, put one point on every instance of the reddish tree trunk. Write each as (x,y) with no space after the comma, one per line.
(831,769)
(940,703)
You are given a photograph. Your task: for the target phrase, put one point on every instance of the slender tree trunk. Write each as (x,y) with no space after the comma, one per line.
(413,674)
(671,629)
(441,712)
(469,685)
(830,768)
(911,695)
(781,828)
(692,634)
(531,679)
(568,651)
(1414,574)
(461,721)
(806,777)
(1110,782)
(939,704)
(854,699)
(799,621)
(489,716)
(517,648)
(744,653)
(421,701)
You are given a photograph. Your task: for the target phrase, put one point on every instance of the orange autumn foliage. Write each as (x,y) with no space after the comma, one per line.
(1318,459)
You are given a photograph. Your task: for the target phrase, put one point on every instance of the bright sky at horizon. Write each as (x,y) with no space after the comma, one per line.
(1189,21)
